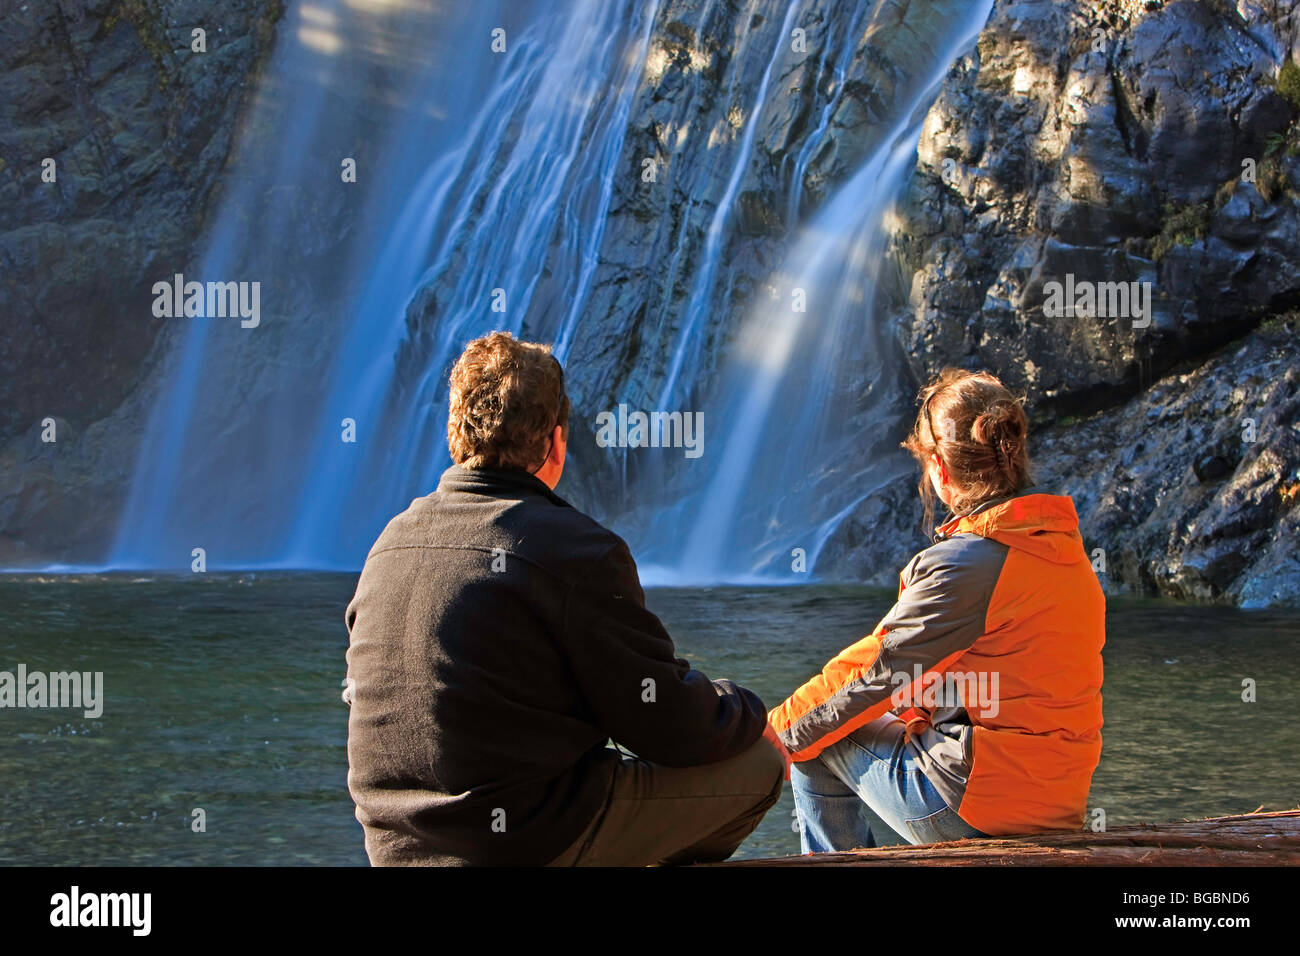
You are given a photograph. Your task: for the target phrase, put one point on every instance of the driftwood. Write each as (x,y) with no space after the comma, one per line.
(1251,839)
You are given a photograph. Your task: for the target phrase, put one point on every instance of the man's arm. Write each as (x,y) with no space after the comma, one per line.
(642,694)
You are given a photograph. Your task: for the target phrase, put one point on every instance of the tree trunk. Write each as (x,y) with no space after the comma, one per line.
(1251,839)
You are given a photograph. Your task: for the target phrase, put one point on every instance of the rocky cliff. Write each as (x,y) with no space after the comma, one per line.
(138,126)
(831,92)
(113,135)
(1143,148)
(1137,143)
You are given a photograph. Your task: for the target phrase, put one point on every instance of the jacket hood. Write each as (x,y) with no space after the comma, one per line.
(1046,526)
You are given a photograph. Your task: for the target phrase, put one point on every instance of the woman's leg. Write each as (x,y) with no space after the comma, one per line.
(829,813)
(874,764)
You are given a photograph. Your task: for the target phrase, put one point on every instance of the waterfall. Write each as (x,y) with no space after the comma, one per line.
(513,189)
(703,285)
(808,402)
(490,176)
(488,185)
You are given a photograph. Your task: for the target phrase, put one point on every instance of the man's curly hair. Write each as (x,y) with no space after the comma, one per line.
(507,396)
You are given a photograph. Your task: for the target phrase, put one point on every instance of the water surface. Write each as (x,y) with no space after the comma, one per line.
(222,693)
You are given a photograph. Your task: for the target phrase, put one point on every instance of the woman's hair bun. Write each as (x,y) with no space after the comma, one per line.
(1002,425)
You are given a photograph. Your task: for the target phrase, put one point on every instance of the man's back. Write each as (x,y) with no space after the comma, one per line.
(498,638)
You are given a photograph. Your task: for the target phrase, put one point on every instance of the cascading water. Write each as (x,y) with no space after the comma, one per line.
(492,179)
(703,284)
(514,189)
(495,152)
(809,398)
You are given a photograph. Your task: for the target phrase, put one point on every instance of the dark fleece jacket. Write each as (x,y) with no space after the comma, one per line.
(498,638)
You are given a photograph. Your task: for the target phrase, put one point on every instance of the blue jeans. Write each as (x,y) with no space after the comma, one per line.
(868,790)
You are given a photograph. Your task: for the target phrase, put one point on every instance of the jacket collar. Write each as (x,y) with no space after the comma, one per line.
(496,483)
(959,523)
(1041,524)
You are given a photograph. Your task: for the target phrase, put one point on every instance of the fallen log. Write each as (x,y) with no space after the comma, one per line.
(1251,839)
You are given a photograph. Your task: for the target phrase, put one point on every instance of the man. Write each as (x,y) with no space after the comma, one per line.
(499,638)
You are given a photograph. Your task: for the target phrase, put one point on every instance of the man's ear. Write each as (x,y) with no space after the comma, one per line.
(551,469)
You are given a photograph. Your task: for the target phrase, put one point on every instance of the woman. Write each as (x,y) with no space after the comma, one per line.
(974,707)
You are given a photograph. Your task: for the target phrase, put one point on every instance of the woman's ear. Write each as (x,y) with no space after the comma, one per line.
(939,469)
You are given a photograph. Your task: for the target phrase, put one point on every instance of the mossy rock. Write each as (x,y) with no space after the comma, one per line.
(1288,83)
(1182,227)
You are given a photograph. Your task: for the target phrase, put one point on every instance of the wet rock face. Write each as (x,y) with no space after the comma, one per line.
(1114,143)
(1104,141)
(830,90)
(138,126)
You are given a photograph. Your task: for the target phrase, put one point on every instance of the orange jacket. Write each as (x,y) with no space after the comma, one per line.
(993,654)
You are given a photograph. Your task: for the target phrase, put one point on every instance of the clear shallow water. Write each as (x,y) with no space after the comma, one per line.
(222,692)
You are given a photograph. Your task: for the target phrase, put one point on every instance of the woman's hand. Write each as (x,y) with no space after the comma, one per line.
(769,733)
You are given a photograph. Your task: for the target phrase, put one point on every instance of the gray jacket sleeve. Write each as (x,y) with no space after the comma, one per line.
(940,612)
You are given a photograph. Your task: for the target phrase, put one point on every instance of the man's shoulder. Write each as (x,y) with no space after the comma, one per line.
(557,536)
(544,531)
